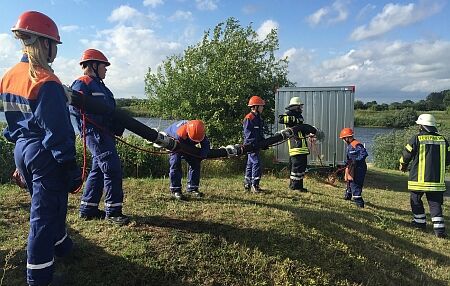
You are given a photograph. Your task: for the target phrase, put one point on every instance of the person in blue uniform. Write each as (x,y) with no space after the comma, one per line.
(427,153)
(38,122)
(191,133)
(105,175)
(356,167)
(253,126)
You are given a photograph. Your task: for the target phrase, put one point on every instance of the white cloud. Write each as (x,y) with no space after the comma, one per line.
(315,18)
(153,3)
(69,28)
(10,52)
(131,51)
(123,13)
(335,13)
(365,10)
(129,15)
(414,67)
(181,15)
(266,28)
(393,16)
(208,5)
(250,9)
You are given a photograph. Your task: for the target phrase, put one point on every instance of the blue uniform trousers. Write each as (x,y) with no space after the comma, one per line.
(354,188)
(105,175)
(175,172)
(47,183)
(253,169)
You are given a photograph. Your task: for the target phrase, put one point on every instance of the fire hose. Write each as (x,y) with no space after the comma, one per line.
(91,105)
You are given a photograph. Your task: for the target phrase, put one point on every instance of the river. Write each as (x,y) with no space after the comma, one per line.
(364,134)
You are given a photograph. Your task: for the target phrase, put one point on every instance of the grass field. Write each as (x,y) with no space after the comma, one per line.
(235,238)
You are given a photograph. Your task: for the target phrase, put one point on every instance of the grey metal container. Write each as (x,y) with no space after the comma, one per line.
(327,108)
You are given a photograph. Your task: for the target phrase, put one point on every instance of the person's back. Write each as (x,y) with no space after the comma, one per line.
(38,123)
(428,154)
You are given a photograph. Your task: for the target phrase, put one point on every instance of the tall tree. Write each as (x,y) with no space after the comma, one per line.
(214,79)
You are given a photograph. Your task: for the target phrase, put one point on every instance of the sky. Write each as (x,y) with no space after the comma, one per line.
(391,51)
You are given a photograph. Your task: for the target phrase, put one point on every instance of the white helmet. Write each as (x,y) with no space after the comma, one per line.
(426,119)
(295,101)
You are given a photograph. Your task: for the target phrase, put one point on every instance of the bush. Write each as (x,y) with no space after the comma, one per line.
(6,158)
(387,148)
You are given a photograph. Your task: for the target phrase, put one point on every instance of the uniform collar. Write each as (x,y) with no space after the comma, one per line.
(24,58)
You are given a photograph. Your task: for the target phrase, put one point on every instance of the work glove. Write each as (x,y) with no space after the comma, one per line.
(403,167)
(73,173)
(232,150)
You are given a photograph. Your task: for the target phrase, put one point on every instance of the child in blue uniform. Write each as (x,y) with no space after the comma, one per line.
(356,169)
(253,134)
(191,133)
(38,122)
(106,171)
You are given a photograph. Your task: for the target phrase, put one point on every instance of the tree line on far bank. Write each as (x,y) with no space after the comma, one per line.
(434,101)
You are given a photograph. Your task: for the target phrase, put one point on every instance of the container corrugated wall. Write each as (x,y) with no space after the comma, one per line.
(329,109)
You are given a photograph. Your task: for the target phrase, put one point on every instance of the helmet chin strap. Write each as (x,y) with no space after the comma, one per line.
(96,71)
(49,56)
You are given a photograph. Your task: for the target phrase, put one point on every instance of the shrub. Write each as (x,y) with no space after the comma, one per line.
(387,148)
(6,158)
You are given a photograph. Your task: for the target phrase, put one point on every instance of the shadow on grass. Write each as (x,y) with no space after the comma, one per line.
(365,262)
(392,181)
(90,264)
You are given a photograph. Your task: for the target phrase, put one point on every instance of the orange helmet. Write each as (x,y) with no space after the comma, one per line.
(94,55)
(38,24)
(346,132)
(196,130)
(256,100)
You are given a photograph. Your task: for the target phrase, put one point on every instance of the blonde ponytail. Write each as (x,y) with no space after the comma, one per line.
(37,54)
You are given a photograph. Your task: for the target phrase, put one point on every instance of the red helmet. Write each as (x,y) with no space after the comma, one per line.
(94,55)
(36,23)
(346,132)
(256,100)
(196,130)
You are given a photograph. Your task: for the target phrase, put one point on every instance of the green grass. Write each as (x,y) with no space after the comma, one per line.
(235,238)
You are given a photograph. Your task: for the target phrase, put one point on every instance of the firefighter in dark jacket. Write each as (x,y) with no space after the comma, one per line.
(428,153)
(253,126)
(356,167)
(298,147)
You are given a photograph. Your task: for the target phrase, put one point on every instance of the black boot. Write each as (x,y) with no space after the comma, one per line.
(256,189)
(97,214)
(118,218)
(195,193)
(247,187)
(302,189)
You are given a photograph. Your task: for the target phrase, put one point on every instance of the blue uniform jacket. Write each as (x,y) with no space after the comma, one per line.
(356,153)
(92,86)
(37,111)
(178,131)
(253,129)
